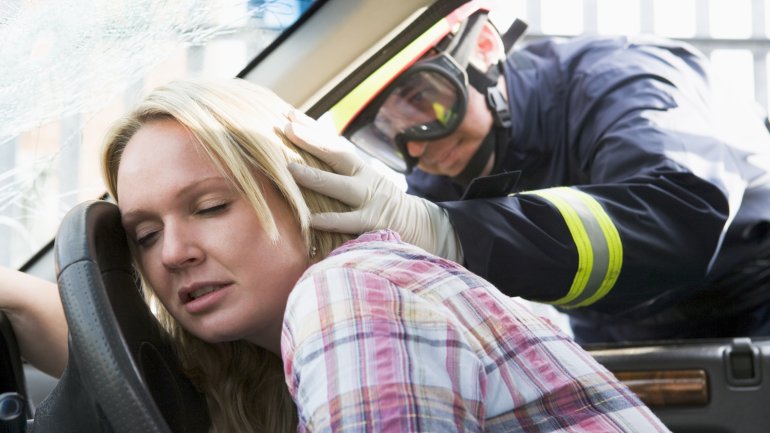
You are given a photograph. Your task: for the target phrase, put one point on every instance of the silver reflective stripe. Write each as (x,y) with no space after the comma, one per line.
(600,252)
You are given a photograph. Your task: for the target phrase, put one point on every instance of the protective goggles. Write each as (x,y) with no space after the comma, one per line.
(427,102)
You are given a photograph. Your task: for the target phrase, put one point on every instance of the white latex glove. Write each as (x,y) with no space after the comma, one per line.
(377,202)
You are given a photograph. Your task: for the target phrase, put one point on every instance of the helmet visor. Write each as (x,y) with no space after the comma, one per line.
(426,102)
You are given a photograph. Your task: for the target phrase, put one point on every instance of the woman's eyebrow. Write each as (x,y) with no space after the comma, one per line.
(132,218)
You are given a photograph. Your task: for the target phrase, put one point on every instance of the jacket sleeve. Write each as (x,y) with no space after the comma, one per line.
(650,184)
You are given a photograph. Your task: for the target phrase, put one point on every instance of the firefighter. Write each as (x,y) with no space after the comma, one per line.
(607,176)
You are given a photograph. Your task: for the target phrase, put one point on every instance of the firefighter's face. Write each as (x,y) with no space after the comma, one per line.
(448,156)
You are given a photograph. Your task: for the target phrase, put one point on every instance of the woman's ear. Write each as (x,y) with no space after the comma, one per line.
(489,48)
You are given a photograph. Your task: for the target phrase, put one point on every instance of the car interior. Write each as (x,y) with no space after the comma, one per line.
(121,375)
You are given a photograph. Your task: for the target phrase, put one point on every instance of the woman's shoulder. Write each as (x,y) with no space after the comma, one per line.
(369,278)
(378,239)
(366,263)
(354,266)
(379,269)
(382,254)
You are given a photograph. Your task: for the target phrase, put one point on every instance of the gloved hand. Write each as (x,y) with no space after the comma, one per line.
(377,202)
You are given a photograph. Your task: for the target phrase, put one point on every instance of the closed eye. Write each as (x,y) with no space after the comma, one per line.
(146,240)
(213,210)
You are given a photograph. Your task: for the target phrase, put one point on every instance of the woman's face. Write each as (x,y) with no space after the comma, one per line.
(199,243)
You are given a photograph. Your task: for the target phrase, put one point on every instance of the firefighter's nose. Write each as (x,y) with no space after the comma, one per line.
(416,148)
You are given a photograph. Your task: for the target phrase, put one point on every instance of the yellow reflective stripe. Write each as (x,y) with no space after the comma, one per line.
(600,251)
(348,107)
(614,247)
(579,236)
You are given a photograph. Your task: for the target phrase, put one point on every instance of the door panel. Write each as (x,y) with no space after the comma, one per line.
(736,395)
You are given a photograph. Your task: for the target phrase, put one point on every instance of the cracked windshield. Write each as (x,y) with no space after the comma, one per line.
(70,68)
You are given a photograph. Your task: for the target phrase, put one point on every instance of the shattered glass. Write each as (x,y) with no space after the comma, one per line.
(70,67)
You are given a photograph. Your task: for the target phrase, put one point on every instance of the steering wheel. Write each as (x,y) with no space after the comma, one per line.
(122,374)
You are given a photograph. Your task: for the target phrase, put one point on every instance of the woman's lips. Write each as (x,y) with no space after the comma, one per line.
(204,297)
(203,291)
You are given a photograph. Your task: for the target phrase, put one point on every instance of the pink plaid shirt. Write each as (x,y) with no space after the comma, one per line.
(383,337)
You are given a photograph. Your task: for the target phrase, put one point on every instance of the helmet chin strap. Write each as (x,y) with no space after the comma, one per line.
(494,143)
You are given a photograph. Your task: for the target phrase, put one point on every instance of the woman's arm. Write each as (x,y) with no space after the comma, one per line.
(35,311)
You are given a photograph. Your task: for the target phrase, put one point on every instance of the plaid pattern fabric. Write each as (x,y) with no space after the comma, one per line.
(382,337)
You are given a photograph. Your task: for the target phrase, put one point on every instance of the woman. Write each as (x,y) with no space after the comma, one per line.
(372,334)
(229,203)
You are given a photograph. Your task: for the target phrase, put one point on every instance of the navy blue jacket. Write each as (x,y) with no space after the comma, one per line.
(662,228)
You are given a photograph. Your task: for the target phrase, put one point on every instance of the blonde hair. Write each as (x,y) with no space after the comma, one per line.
(238,125)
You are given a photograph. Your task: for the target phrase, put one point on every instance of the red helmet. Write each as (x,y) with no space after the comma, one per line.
(419,94)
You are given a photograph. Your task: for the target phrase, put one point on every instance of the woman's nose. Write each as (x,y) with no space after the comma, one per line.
(180,248)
